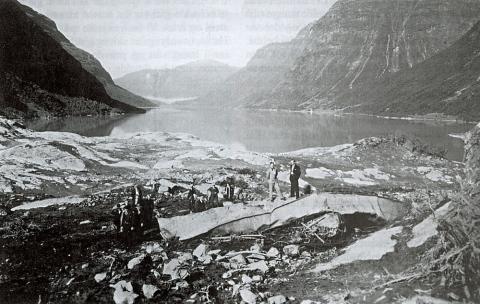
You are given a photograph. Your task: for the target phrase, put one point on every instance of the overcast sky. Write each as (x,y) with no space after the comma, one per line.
(129,35)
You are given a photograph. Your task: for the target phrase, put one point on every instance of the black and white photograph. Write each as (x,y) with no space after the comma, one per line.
(240,151)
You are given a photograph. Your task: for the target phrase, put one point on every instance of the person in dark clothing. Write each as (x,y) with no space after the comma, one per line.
(213,197)
(127,224)
(117,214)
(295,173)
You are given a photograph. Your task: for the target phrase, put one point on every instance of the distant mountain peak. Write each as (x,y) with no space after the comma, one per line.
(189,80)
(205,63)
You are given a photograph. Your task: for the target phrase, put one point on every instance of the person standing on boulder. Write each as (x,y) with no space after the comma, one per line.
(295,173)
(272,177)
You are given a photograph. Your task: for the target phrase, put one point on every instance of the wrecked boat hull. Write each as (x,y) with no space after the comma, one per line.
(240,218)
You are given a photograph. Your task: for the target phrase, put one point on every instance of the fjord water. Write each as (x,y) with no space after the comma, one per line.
(264,131)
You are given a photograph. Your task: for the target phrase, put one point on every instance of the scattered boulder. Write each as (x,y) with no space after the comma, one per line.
(149,290)
(306,255)
(291,250)
(260,265)
(153,248)
(135,261)
(185,257)
(255,248)
(273,253)
(181,285)
(200,251)
(238,259)
(248,296)
(171,268)
(100,277)
(123,293)
(277,300)
(246,279)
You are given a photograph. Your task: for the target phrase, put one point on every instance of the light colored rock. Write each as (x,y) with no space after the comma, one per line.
(248,296)
(123,285)
(255,257)
(171,268)
(123,293)
(427,228)
(373,247)
(273,253)
(100,277)
(200,251)
(291,250)
(238,259)
(306,255)
(255,248)
(185,257)
(135,261)
(257,278)
(426,300)
(124,297)
(153,248)
(277,300)
(246,279)
(207,259)
(260,265)
(214,252)
(181,284)
(149,290)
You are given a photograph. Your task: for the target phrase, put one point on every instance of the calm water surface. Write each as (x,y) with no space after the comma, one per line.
(264,131)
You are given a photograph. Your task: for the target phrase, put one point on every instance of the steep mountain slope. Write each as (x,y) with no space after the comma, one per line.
(88,61)
(189,80)
(355,43)
(261,74)
(39,76)
(447,83)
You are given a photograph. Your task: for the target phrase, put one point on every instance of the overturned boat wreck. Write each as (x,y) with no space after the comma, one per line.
(244,218)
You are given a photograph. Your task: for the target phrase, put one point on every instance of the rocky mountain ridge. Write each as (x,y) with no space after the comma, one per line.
(447,83)
(43,74)
(189,80)
(355,44)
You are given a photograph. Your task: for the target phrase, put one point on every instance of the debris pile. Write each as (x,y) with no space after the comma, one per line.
(201,274)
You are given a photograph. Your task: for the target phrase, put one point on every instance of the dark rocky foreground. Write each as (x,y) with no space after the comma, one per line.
(70,253)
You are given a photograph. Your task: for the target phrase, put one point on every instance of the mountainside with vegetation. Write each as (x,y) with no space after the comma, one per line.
(447,83)
(354,45)
(42,76)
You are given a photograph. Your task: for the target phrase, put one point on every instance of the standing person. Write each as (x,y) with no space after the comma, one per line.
(272,177)
(230,189)
(212,193)
(139,212)
(295,173)
(127,223)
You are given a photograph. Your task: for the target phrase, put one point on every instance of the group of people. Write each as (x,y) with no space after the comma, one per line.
(134,217)
(198,202)
(137,215)
(273,185)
